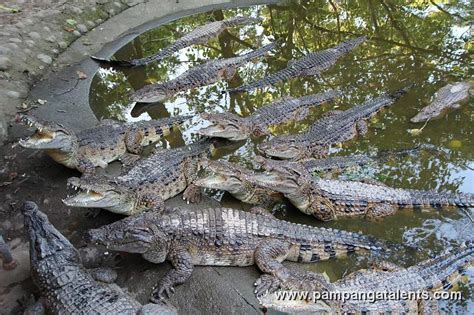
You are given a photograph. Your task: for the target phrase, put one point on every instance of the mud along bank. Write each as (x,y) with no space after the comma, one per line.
(63,95)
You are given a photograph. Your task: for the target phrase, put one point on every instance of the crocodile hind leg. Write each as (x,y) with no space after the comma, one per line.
(362,127)
(182,263)
(269,256)
(103,274)
(428,307)
(261,211)
(9,262)
(133,141)
(129,159)
(381,210)
(192,194)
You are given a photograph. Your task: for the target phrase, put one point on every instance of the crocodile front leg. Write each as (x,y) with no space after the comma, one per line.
(133,141)
(269,256)
(86,168)
(151,202)
(362,127)
(192,194)
(182,263)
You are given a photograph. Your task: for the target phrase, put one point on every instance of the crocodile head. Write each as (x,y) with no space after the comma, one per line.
(151,94)
(45,241)
(101,192)
(135,234)
(227,176)
(225,125)
(282,176)
(48,135)
(285,148)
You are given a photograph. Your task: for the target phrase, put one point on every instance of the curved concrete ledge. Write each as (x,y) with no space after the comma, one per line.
(65,95)
(210,290)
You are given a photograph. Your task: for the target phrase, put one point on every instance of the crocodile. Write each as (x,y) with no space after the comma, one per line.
(232,177)
(420,281)
(334,127)
(9,263)
(329,199)
(204,74)
(200,35)
(66,286)
(96,147)
(233,127)
(449,96)
(310,65)
(235,178)
(147,184)
(224,237)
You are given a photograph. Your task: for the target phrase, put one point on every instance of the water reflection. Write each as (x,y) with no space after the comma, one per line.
(424,42)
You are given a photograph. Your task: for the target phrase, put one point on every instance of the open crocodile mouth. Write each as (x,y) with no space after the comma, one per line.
(85,196)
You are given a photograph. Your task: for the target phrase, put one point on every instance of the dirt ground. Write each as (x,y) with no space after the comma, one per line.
(35,67)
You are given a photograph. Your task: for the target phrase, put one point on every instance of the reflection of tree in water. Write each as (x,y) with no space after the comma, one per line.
(421,42)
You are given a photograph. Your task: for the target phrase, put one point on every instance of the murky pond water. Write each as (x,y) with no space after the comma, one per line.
(423,42)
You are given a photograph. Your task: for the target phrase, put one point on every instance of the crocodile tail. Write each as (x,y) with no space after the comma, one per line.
(259,52)
(321,243)
(445,269)
(434,198)
(271,79)
(163,53)
(400,92)
(350,44)
(320,98)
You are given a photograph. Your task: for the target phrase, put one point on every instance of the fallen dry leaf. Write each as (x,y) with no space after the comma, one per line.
(81,75)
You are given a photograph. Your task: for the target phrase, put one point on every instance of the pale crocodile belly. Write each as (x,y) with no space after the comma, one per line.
(226,255)
(354,190)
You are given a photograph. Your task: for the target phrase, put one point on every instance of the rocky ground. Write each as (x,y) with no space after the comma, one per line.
(43,45)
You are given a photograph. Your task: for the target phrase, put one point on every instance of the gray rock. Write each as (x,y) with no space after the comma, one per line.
(34,35)
(3,129)
(62,44)
(76,10)
(45,58)
(77,33)
(47,29)
(15,40)
(30,43)
(90,24)
(4,50)
(13,94)
(5,63)
(117,4)
(82,28)
(51,38)
(55,51)
(102,1)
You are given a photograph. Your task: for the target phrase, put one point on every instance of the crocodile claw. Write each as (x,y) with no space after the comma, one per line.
(161,293)
(267,284)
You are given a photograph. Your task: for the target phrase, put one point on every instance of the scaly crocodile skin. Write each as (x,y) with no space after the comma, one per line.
(430,275)
(201,75)
(233,127)
(224,237)
(334,127)
(148,183)
(200,35)
(447,97)
(66,286)
(98,146)
(328,199)
(311,64)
